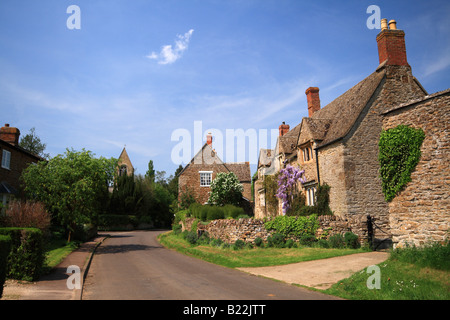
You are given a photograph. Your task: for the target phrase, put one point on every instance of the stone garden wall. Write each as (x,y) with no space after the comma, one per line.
(230,230)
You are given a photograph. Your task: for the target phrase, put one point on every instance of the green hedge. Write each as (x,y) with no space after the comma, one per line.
(294,226)
(211,212)
(26,258)
(5,248)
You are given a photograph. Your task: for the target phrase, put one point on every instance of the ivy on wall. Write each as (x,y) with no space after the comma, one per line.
(399,153)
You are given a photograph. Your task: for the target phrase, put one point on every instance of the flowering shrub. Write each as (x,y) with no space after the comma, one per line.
(288,184)
(225,189)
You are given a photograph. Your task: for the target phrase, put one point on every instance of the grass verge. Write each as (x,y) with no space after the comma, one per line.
(57,250)
(249,257)
(409,274)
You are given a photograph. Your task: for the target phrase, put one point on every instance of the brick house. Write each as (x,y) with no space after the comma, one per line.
(198,174)
(338,144)
(14,160)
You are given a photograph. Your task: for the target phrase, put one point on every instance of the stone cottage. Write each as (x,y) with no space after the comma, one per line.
(198,174)
(338,144)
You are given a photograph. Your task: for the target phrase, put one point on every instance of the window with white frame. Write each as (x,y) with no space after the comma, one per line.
(205,178)
(311,195)
(6,159)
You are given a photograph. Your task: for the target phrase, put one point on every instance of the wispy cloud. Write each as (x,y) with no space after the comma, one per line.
(169,54)
(438,65)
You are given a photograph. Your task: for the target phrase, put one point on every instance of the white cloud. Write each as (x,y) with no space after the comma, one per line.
(169,54)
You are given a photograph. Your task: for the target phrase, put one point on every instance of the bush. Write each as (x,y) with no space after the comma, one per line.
(289,243)
(27,214)
(180,216)
(238,244)
(212,212)
(258,242)
(336,241)
(191,237)
(216,242)
(322,243)
(351,240)
(307,239)
(176,228)
(292,226)
(26,258)
(5,248)
(231,211)
(276,240)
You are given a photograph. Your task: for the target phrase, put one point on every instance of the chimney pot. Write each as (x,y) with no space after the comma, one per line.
(392,25)
(384,24)
(313,99)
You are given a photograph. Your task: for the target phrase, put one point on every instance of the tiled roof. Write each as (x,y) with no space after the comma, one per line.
(335,120)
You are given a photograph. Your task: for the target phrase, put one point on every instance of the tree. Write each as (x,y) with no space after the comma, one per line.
(225,189)
(150,174)
(73,186)
(32,143)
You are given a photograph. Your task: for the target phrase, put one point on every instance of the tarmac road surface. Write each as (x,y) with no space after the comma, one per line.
(134,266)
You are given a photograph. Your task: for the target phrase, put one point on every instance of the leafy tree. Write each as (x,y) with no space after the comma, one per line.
(150,174)
(225,189)
(32,143)
(73,186)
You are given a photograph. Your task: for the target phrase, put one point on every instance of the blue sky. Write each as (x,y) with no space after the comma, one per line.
(138,70)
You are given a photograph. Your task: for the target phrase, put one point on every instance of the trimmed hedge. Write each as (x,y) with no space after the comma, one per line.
(27,256)
(5,248)
(212,212)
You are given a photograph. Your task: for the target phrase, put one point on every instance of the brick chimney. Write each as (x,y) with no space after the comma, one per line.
(312,96)
(209,139)
(391,44)
(10,134)
(283,128)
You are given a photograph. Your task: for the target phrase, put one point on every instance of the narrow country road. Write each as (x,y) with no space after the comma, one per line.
(134,266)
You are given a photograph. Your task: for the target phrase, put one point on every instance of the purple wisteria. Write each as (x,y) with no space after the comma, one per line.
(287,184)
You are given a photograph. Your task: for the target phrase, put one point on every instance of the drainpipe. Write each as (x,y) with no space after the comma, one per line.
(317,166)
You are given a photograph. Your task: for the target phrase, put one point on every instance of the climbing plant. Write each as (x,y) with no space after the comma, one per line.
(399,153)
(288,183)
